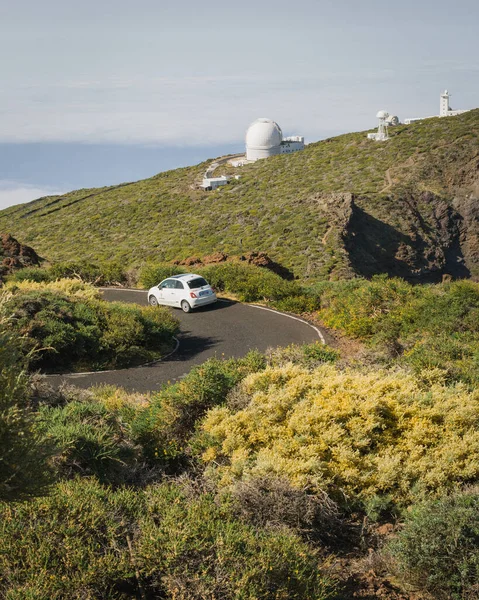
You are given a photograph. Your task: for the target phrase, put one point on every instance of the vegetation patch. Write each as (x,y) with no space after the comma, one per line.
(165,427)
(102,273)
(403,191)
(437,550)
(356,435)
(88,541)
(64,326)
(72,543)
(23,450)
(424,327)
(249,478)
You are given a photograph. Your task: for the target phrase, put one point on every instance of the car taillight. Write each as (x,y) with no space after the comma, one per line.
(193,295)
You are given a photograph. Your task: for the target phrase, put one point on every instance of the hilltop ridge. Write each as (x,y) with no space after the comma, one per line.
(344,206)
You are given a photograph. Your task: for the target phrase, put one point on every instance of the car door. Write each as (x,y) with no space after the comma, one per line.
(179,292)
(167,292)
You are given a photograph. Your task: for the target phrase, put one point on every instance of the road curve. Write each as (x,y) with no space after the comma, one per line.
(225,329)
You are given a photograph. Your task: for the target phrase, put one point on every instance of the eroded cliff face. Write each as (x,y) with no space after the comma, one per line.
(422,225)
(429,241)
(415,236)
(468,208)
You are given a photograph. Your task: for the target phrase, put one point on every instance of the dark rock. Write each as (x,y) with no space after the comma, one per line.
(14,255)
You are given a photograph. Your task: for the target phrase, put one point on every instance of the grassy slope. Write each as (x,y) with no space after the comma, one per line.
(271,208)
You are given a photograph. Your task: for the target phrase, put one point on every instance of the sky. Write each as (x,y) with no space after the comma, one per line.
(104,91)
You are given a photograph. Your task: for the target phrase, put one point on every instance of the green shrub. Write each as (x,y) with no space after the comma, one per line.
(153,273)
(319,353)
(307,355)
(86,542)
(437,550)
(191,549)
(165,426)
(71,544)
(248,282)
(102,273)
(90,440)
(69,287)
(69,332)
(36,274)
(298,304)
(134,334)
(434,326)
(23,450)
(360,308)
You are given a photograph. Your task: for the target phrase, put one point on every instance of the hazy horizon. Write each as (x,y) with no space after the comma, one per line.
(95,94)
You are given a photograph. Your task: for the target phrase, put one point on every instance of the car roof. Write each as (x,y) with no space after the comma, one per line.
(185,276)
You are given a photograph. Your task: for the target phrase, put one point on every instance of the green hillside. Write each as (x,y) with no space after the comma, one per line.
(345,205)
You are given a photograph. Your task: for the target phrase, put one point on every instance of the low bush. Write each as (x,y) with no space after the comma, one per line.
(153,273)
(36,274)
(248,282)
(165,426)
(356,435)
(435,326)
(85,541)
(68,329)
(103,273)
(298,303)
(23,450)
(306,355)
(191,549)
(70,287)
(437,550)
(90,440)
(71,544)
(272,501)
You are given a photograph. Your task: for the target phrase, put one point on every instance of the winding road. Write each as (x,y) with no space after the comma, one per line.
(225,329)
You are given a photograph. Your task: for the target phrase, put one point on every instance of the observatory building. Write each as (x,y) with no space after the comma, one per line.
(385,121)
(264,138)
(445,110)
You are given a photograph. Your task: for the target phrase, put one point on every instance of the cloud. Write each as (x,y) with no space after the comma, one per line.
(212,109)
(12,193)
(189,111)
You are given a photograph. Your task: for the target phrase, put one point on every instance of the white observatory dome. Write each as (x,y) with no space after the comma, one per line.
(382,114)
(263,139)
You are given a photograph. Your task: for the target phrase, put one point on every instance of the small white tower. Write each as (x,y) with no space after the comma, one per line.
(444,107)
(382,134)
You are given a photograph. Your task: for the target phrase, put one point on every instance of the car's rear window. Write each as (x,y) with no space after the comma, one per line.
(197,283)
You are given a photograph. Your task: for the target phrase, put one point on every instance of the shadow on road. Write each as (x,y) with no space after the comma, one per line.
(221,304)
(191,345)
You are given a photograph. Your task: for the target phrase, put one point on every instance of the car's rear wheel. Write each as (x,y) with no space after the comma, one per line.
(185,307)
(152,301)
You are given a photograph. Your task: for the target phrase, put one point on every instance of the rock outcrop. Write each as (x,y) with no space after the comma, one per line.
(14,255)
(432,239)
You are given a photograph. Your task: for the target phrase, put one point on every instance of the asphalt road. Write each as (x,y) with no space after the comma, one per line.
(225,329)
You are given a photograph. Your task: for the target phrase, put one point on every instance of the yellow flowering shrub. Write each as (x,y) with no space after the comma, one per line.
(354,433)
(70,287)
(116,399)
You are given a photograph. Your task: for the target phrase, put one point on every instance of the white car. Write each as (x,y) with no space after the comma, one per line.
(186,291)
